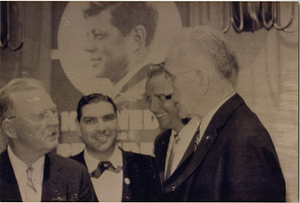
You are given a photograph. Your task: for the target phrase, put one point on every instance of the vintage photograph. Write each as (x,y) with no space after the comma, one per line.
(152,101)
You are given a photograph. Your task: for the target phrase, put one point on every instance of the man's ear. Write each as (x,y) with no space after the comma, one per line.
(9,128)
(203,78)
(138,38)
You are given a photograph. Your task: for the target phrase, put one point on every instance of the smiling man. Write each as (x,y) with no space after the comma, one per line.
(116,175)
(29,171)
(168,155)
(119,35)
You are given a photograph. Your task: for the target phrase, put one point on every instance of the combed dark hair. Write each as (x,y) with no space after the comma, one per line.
(127,15)
(93,98)
(14,86)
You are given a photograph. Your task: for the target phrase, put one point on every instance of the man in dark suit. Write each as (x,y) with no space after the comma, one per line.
(169,121)
(116,175)
(233,157)
(28,170)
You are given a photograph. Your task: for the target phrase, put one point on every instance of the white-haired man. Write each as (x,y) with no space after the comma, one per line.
(234,158)
(29,171)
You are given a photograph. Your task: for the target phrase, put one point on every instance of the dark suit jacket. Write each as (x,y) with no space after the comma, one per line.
(64,180)
(140,170)
(235,161)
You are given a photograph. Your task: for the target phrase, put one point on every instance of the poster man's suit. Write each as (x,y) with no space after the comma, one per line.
(140,170)
(64,180)
(235,161)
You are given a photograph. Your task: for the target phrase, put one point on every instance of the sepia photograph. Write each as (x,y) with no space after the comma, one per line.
(149,101)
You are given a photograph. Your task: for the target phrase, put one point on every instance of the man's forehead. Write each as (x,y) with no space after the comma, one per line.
(32,100)
(31,96)
(98,109)
(156,84)
(178,54)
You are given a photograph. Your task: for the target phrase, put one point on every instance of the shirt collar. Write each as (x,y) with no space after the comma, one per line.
(19,166)
(189,129)
(92,163)
(207,118)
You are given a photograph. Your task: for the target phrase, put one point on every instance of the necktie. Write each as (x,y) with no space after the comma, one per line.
(171,157)
(102,166)
(29,179)
(197,133)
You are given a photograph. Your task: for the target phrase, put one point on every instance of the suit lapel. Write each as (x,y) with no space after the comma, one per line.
(52,190)
(9,188)
(126,194)
(161,162)
(205,144)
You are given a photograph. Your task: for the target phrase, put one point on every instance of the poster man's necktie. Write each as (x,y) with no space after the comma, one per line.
(29,179)
(102,166)
(197,133)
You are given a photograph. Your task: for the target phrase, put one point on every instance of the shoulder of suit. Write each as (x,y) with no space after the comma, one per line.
(65,162)
(142,159)
(77,156)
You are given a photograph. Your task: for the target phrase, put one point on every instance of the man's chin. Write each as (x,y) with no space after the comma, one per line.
(183,114)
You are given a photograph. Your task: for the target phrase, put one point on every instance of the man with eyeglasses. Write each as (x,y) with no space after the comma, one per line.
(234,158)
(29,171)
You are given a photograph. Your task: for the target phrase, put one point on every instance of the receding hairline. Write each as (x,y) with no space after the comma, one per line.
(16,86)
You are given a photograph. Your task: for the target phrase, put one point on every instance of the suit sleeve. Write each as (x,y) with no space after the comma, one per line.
(253,171)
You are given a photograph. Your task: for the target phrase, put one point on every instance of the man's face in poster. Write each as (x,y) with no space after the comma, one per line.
(107,46)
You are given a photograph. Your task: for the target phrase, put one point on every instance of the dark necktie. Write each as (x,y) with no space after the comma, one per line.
(102,166)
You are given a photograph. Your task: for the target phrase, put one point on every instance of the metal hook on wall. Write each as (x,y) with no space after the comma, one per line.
(276,12)
(10,15)
(226,28)
(274,9)
(3,21)
(264,13)
(241,17)
(225,7)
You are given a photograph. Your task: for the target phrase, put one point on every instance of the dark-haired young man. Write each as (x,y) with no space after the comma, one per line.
(119,35)
(116,175)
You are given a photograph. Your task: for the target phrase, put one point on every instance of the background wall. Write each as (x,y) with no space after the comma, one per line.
(268,79)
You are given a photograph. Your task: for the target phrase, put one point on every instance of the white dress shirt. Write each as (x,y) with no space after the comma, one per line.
(181,144)
(20,168)
(109,186)
(186,134)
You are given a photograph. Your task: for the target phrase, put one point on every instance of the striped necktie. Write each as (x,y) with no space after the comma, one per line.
(29,179)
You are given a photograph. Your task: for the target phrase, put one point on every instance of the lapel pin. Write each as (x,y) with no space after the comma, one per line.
(127,181)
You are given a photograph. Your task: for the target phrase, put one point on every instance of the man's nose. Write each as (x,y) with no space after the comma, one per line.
(89,45)
(101,126)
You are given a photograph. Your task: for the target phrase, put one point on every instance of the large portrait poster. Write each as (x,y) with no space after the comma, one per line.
(88,59)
